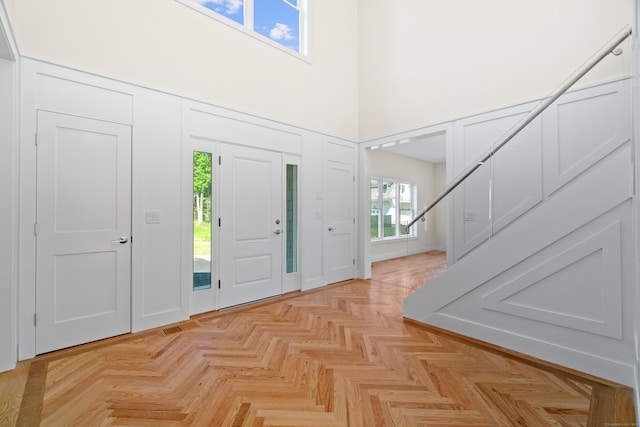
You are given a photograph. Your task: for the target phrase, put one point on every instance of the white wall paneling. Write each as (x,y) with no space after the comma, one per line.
(159,295)
(555,286)
(635,141)
(165,129)
(503,188)
(8,214)
(312,211)
(364,242)
(547,292)
(82,99)
(573,143)
(209,122)
(65,91)
(9,191)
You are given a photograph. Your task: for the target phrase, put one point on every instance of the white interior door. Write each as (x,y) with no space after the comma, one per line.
(83,265)
(339,222)
(251,230)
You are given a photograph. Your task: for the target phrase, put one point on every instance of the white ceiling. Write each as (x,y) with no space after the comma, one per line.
(430,148)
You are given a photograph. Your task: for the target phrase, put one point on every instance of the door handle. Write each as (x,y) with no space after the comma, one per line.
(121,240)
(331,228)
(277,232)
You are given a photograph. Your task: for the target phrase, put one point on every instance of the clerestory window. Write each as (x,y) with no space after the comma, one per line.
(280,22)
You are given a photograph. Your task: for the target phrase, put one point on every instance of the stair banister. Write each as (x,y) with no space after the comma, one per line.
(610,47)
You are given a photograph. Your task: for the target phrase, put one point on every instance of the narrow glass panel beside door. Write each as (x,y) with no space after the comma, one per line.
(202,220)
(292,218)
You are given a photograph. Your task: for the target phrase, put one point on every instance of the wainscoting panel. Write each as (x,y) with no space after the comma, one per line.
(206,122)
(56,93)
(503,188)
(547,293)
(583,127)
(556,278)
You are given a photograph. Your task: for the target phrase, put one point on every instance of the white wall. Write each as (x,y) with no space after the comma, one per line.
(8,216)
(428,177)
(165,45)
(423,62)
(8,194)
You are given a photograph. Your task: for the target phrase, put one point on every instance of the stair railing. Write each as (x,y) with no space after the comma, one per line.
(610,48)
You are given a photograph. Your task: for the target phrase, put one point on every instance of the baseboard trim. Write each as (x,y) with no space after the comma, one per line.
(392,255)
(611,403)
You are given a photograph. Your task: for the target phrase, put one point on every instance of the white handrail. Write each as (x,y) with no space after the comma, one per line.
(546,102)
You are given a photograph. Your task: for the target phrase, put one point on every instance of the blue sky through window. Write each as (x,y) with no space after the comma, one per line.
(278,21)
(232,9)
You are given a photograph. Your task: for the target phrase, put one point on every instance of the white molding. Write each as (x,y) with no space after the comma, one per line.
(402,254)
(28,105)
(635,141)
(27,261)
(581,361)
(6,35)
(602,315)
(9,125)
(524,253)
(437,127)
(612,99)
(85,76)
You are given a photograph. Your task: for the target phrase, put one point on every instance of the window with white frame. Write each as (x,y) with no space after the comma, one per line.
(393,205)
(280,21)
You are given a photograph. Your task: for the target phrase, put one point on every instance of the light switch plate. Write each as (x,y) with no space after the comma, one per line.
(152,217)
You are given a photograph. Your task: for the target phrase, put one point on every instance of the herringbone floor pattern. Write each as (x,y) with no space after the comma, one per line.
(341,356)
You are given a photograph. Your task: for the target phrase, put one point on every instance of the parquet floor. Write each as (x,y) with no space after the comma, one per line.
(339,356)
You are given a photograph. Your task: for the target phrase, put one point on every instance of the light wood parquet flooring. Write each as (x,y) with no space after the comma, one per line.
(338,356)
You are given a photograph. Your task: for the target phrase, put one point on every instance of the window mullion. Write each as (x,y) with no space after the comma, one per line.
(397,184)
(380,210)
(248,14)
(302,27)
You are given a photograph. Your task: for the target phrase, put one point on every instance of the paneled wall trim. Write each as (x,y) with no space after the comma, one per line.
(555,280)
(163,127)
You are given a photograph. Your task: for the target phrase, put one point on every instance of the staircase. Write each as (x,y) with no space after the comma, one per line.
(541,252)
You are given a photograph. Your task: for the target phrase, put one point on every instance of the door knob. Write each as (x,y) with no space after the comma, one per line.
(121,240)
(277,232)
(331,228)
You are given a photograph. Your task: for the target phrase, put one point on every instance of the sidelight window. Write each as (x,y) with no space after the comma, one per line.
(202,208)
(292,219)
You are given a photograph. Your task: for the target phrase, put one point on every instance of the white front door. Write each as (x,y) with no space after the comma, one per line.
(339,222)
(83,265)
(251,224)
